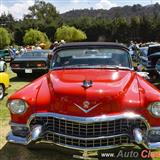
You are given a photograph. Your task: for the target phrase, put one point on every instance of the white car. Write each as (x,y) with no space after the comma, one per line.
(3,65)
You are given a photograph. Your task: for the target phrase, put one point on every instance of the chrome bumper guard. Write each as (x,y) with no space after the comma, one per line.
(140,138)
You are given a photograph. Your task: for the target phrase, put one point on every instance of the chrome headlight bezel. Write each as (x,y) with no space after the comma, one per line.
(17,106)
(154,109)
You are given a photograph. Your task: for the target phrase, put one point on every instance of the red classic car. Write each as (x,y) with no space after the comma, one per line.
(89,101)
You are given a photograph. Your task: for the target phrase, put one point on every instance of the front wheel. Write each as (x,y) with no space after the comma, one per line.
(1,91)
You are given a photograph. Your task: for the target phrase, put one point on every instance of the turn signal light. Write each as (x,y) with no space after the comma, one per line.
(40,65)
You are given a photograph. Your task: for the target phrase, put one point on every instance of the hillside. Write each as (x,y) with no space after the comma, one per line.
(126,11)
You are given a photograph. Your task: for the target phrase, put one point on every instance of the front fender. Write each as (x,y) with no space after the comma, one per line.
(4,79)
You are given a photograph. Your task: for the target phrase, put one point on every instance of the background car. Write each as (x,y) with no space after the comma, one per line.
(31,62)
(5,55)
(148,58)
(4,82)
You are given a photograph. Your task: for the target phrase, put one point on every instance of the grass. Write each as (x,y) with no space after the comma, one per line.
(17,152)
(4,113)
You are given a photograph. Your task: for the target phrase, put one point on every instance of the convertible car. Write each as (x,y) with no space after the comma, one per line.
(90,100)
(31,62)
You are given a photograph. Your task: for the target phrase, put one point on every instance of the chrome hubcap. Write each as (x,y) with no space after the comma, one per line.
(1,91)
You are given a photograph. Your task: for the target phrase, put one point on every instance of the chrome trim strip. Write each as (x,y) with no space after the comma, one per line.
(30,68)
(88,149)
(86,110)
(80,138)
(24,141)
(86,120)
(155,145)
(17,124)
(152,128)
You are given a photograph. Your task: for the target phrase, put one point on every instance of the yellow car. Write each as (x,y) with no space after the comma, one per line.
(4,83)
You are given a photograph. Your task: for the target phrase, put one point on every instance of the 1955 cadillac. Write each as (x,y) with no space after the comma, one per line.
(90,100)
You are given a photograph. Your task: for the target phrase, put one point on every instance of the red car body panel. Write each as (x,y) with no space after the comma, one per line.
(116,91)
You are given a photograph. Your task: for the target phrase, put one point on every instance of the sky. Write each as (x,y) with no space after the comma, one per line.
(20,7)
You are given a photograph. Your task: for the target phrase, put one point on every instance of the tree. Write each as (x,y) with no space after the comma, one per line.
(33,37)
(5,38)
(42,11)
(134,28)
(44,17)
(69,34)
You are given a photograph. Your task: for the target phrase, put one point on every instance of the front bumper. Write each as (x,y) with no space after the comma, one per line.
(137,136)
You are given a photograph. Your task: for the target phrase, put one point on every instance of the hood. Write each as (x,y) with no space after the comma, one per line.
(106,95)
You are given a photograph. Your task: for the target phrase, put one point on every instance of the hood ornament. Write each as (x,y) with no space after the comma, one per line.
(87,84)
(86,106)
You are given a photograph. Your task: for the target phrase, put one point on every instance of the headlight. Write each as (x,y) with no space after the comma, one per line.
(154,108)
(17,106)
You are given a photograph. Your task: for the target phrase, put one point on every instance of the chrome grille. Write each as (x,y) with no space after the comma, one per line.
(87,143)
(85,130)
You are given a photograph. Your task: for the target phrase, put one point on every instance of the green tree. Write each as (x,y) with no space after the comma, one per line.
(69,34)
(44,17)
(134,28)
(33,37)
(5,38)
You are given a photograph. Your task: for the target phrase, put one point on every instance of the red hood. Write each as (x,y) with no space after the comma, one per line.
(105,96)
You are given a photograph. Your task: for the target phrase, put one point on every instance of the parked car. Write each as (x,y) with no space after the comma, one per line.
(158,66)
(5,55)
(3,65)
(148,58)
(4,80)
(31,62)
(91,100)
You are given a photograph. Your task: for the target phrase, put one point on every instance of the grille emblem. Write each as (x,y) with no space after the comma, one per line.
(86,106)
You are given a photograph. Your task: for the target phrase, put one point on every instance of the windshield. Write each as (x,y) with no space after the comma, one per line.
(86,58)
(35,54)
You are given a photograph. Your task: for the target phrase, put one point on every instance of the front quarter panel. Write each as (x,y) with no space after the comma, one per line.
(29,94)
(148,94)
